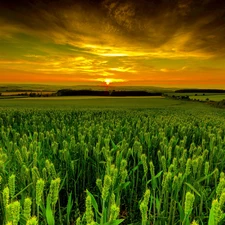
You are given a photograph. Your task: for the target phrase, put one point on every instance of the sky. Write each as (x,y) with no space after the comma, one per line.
(167,43)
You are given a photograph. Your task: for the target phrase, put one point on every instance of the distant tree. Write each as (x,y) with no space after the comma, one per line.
(185,97)
(33,94)
(207,99)
(196,94)
(203,94)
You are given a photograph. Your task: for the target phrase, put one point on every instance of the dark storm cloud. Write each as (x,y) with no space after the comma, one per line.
(158,27)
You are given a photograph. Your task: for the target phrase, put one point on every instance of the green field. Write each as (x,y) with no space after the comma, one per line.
(193,94)
(209,97)
(111,161)
(121,103)
(201,96)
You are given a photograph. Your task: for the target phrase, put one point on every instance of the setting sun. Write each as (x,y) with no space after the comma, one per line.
(108,81)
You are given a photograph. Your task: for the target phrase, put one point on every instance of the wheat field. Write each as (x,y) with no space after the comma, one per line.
(159,165)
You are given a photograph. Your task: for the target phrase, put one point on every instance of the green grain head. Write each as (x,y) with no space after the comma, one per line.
(163,162)
(189,201)
(39,191)
(106,187)
(27,208)
(166,184)
(206,171)
(12,185)
(144,206)
(35,159)
(9,212)
(78,221)
(54,190)
(19,157)
(175,183)
(32,221)
(35,175)
(44,174)
(5,196)
(146,196)
(9,223)
(13,212)
(220,187)
(25,173)
(114,176)
(124,175)
(222,199)
(52,170)
(216,173)
(24,153)
(205,154)
(99,184)
(195,166)
(89,213)
(144,209)
(222,175)
(123,164)
(175,164)
(188,167)
(114,212)
(217,212)
(144,162)
(152,169)
(112,199)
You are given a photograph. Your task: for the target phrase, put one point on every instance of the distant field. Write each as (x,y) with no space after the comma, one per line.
(193,94)
(87,102)
(201,96)
(14,93)
(210,97)
(95,103)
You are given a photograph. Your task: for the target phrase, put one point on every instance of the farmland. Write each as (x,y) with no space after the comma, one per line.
(90,102)
(201,96)
(112,161)
(215,97)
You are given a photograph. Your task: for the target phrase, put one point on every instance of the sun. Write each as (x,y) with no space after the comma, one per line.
(108,81)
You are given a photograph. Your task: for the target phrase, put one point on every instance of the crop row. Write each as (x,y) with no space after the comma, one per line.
(111,167)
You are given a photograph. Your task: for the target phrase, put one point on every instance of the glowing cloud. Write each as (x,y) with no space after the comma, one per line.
(129,42)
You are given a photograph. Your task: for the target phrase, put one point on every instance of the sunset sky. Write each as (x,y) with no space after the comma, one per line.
(168,43)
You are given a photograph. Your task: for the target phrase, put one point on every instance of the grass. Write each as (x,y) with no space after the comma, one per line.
(201,96)
(193,94)
(16,93)
(95,103)
(210,97)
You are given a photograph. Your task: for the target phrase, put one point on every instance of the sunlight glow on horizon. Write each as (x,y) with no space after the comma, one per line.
(108,81)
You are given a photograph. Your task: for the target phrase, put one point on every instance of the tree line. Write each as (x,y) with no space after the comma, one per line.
(69,92)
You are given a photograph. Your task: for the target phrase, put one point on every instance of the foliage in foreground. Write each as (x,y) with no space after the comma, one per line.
(111,167)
